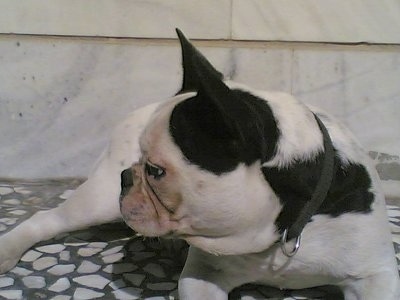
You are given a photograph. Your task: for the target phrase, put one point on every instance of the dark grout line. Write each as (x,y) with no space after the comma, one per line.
(360,46)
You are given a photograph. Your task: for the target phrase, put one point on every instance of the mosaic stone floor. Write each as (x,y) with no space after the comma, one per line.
(108,261)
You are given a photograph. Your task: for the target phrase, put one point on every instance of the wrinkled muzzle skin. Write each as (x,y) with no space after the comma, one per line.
(142,210)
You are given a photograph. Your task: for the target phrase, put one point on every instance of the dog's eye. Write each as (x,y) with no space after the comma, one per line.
(153,170)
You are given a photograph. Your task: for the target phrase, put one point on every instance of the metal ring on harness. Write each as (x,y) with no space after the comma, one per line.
(284,241)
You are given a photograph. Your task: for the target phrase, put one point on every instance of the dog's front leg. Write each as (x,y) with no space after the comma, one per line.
(206,276)
(94,202)
(200,289)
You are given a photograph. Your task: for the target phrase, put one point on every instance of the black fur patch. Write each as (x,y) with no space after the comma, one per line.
(349,192)
(201,132)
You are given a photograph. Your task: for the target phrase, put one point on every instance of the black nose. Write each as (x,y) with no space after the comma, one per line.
(126,180)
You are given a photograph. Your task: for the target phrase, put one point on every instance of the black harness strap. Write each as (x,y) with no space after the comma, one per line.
(321,190)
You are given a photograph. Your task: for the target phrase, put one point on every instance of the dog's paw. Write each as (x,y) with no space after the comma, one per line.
(7,261)
(9,256)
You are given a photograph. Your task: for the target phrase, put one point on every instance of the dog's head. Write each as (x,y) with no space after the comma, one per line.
(200,176)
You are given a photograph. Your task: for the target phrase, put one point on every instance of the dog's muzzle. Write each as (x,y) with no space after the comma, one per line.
(126,181)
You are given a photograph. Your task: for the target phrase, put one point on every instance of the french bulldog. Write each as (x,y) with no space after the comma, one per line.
(263,188)
(231,169)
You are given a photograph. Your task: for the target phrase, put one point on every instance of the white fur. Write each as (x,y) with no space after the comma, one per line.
(299,139)
(334,250)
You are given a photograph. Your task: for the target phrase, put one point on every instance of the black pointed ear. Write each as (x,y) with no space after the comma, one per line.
(207,127)
(201,76)
(219,127)
(191,55)
(214,93)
